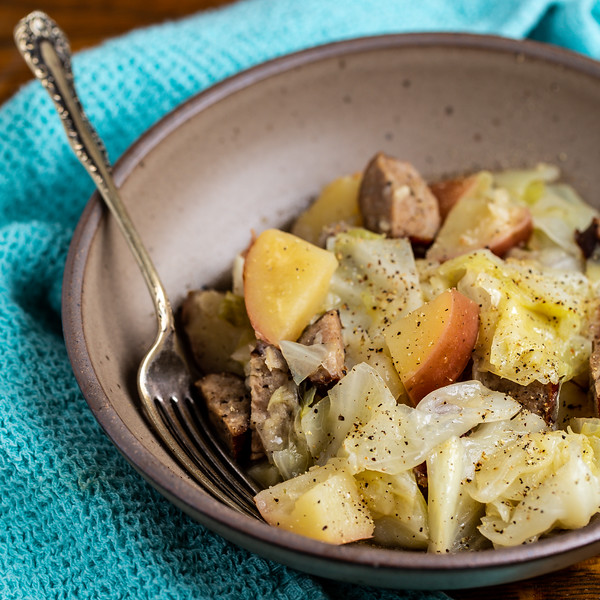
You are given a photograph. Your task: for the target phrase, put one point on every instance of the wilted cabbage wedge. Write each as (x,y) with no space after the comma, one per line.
(557,210)
(360,421)
(218,329)
(398,508)
(454,514)
(349,405)
(399,438)
(376,281)
(540,482)
(375,284)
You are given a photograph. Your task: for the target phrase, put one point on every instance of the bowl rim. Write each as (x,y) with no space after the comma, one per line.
(184,492)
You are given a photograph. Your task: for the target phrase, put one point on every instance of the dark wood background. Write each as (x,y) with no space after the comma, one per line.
(88,22)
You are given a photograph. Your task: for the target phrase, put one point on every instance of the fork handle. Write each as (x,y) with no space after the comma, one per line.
(46,50)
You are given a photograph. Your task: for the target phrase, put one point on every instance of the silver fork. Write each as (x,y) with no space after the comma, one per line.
(164,380)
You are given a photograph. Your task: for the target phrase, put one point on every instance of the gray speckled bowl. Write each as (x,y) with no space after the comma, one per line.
(248,154)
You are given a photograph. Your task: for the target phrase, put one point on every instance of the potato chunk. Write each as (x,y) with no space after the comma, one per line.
(476,222)
(337,202)
(450,191)
(286,280)
(323,504)
(431,346)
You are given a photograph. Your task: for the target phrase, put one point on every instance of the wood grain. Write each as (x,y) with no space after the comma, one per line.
(579,582)
(85,23)
(89,23)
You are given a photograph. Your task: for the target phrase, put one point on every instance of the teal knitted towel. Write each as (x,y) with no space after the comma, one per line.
(76,521)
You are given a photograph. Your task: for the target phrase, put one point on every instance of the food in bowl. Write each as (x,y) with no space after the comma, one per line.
(411,363)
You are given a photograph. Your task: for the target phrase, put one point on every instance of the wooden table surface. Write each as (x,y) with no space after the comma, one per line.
(88,22)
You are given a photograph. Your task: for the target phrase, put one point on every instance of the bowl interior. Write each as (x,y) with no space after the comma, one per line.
(249,154)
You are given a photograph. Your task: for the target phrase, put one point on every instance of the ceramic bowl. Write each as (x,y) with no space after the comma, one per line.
(250,153)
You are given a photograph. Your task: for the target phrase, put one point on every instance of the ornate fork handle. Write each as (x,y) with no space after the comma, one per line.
(163,376)
(46,50)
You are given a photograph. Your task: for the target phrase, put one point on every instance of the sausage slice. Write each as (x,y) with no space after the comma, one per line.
(394,199)
(268,372)
(327,330)
(228,405)
(539,398)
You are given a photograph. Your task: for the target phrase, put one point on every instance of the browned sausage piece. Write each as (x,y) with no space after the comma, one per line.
(589,239)
(395,200)
(327,330)
(268,372)
(420,472)
(539,398)
(228,404)
(595,374)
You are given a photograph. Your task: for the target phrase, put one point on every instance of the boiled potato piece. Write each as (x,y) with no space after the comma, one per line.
(323,504)
(493,222)
(431,346)
(286,280)
(449,191)
(338,202)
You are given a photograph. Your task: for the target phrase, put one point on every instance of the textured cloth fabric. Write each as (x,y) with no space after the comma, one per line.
(76,521)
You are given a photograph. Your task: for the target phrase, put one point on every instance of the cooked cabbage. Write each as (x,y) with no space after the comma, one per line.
(303,360)
(375,283)
(540,482)
(397,507)
(590,427)
(281,434)
(531,321)
(453,514)
(558,212)
(360,420)
(349,404)
(556,208)
(237,274)
(497,474)
(400,438)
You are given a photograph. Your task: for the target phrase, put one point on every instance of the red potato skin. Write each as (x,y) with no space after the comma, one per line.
(452,352)
(500,243)
(450,191)
(514,236)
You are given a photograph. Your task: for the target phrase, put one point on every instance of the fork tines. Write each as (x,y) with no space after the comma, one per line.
(190,428)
